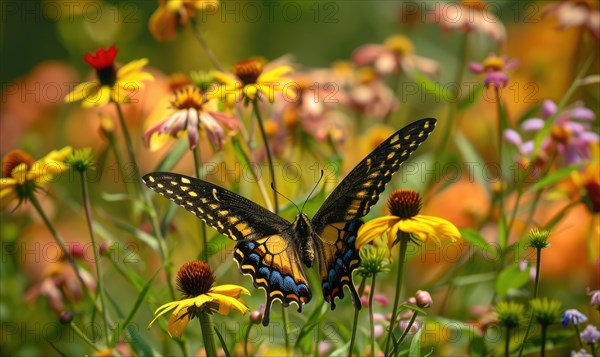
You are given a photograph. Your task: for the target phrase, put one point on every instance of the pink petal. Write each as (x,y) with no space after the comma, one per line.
(533,124)
(367,54)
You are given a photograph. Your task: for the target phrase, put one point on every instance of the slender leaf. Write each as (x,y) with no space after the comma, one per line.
(475,239)
(471,97)
(553,178)
(173,157)
(415,344)
(222,341)
(471,157)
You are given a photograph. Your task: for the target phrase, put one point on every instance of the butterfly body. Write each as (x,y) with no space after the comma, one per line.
(274,251)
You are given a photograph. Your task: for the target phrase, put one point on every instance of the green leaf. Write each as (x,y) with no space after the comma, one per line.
(222,341)
(471,157)
(475,239)
(340,352)
(415,344)
(404,307)
(168,216)
(510,278)
(315,318)
(553,178)
(471,97)
(119,330)
(173,157)
(428,86)
(139,234)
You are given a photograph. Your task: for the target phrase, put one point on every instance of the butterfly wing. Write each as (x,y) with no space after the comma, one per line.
(263,250)
(338,257)
(352,199)
(275,267)
(227,212)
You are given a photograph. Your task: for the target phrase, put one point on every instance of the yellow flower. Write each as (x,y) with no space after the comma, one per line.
(195,280)
(175,14)
(22,176)
(251,79)
(112,84)
(404,206)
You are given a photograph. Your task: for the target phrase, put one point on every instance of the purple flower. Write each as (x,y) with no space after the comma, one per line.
(590,334)
(495,69)
(573,316)
(581,353)
(548,108)
(595,294)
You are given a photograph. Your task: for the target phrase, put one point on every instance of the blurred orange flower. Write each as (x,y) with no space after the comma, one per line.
(172,15)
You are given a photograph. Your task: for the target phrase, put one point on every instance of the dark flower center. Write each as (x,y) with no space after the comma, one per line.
(188,98)
(14,159)
(248,71)
(404,203)
(103,61)
(195,278)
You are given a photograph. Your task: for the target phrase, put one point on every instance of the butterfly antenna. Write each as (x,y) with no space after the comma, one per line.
(312,191)
(284,196)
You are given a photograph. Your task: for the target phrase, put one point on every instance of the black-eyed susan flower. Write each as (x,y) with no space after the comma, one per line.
(252,79)
(22,176)
(195,280)
(495,69)
(173,15)
(189,111)
(404,206)
(112,84)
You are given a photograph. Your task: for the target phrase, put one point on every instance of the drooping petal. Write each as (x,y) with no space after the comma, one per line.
(177,324)
(101,97)
(533,124)
(230,290)
(374,229)
(513,137)
(367,54)
(82,90)
(192,128)
(228,303)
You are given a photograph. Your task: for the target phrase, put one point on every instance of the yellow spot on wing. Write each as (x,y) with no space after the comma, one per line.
(193,194)
(160,185)
(151,178)
(214,193)
(173,183)
(184,188)
(184,180)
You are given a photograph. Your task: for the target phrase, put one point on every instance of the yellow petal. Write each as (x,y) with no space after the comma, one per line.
(229,290)
(19,173)
(131,67)
(81,91)
(374,229)
(227,303)
(225,78)
(274,73)
(177,324)
(101,97)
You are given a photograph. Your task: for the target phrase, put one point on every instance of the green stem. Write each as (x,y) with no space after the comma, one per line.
(60,242)
(503,236)
(203,238)
(406,330)
(151,212)
(246,338)
(268,151)
(543,340)
(593,348)
(361,289)
(397,83)
(209,53)
(450,122)
(535,294)
(371,321)
(89,218)
(286,336)
(83,337)
(577,333)
(404,239)
(208,335)
(507,342)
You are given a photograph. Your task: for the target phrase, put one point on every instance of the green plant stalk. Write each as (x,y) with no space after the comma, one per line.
(60,243)
(543,340)
(593,348)
(203,239)
(577,333)
(246,338)
(371,321)
(286,336)
(404,239)
(361,289)
(83,337)
(501,128)
(90,219)
(535,294)
(209,53)
(114,147)
(462,64)
(268,151)
(507,342)
(151,211)
(208,336)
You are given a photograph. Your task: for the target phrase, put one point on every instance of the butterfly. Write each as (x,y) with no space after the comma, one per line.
(274,251)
